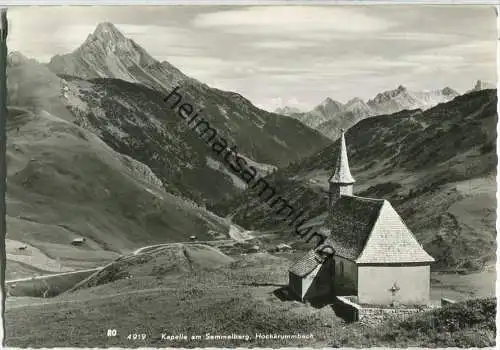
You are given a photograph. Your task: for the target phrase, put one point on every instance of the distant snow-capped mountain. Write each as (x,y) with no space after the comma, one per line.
(288,111)
(331,115)
(320,114)
(329,107)
(393,101)
(483,85)
(358,107)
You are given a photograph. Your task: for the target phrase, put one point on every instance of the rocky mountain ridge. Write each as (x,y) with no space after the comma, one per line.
(329,116)
(107,53)
(287,110)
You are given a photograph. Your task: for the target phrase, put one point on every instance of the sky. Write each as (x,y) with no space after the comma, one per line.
(287,55)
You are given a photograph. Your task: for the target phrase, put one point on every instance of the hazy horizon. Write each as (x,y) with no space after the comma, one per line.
(293,56)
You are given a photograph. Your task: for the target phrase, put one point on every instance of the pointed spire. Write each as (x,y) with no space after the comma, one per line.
(342,173)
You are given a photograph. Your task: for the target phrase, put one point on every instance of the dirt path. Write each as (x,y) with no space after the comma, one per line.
(52,275)
(136,252)
(21,302)
(238,234)
(32,256)
(12,303)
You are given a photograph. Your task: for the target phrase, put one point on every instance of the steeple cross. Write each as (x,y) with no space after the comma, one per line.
(394,289)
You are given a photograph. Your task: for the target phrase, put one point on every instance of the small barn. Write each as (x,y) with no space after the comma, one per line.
(282,247)
(78,241)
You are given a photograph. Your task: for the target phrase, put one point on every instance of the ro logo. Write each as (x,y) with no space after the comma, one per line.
(111,333)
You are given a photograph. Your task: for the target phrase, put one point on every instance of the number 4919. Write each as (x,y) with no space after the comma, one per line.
(136,336)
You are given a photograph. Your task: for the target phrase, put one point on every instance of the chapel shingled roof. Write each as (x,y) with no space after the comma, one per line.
(390,241)
(350,223)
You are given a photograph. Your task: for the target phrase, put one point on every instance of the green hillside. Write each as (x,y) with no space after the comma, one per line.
(64,182)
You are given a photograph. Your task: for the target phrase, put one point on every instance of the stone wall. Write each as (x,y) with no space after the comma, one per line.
(447,301)
(374,316)
(345,309)
(350,311)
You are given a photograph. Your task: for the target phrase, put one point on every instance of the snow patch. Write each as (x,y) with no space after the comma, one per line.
(116,132)
(223,111)
(141,171)
(281,142)
(216,165)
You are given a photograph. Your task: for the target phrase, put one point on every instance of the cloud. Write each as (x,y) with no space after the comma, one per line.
(453,57)
(281,44)
(208,69)
(296,20)
(279,102)
(418,36)
(61,29)
(300,54)
(476,47)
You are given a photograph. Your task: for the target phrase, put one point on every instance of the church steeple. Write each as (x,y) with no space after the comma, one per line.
(341,181)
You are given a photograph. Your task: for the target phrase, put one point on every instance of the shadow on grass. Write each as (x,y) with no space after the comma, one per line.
(285,294)
(322,301)
(255,284)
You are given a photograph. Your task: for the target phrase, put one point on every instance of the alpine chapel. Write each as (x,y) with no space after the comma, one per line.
(369,252)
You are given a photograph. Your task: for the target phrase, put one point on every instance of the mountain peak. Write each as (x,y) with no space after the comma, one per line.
(482,85)
(107,53)
(16,58)
(106,31)
(384,97)
(355,100)
(287,110)
(328,108)
(448,91)
(106,27)
(329,102)
(16,55)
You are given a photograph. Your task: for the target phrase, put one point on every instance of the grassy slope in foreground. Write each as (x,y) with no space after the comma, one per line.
(197,290)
